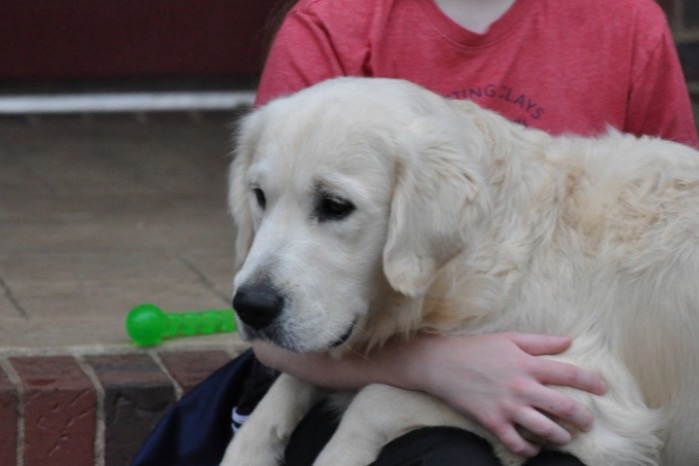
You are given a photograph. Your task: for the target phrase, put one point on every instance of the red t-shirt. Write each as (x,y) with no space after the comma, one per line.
(564,66)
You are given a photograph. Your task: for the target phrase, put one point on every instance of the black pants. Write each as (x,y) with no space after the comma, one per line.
(430,446)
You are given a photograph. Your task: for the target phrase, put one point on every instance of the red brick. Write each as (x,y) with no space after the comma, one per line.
(189,368)
(137,393)
(59,411)
(8,421)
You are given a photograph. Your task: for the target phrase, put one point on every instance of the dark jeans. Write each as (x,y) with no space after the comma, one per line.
(430,446)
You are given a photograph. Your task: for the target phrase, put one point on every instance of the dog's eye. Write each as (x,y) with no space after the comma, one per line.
(260,195)
(333,208)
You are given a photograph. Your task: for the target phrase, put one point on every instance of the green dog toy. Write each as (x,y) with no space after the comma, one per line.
(148,325)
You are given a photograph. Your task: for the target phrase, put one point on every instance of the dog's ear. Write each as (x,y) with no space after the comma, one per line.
(437,206)
(244,140)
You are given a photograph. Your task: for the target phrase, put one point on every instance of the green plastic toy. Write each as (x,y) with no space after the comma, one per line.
(148,325)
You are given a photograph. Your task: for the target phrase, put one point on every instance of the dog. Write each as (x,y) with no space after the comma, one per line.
(369,209)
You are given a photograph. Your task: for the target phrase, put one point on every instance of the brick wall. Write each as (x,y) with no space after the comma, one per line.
(69,410)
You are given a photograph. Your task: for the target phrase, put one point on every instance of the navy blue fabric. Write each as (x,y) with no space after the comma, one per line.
(197,429)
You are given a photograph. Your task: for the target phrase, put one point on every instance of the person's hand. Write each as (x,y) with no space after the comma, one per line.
(498,380)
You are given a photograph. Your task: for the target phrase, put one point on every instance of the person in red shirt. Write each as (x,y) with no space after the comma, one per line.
(559,66)
(563,67)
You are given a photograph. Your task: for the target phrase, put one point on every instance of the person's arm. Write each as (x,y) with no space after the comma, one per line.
(496,379)
(315,42)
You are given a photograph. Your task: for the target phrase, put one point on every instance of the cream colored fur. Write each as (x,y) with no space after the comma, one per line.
(466,223)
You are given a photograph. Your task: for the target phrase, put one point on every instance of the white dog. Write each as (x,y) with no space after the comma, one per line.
(372,208)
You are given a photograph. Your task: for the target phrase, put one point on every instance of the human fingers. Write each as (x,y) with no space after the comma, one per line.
(512,438)
(555,372)
(551,372)
(539,344)
(559,409)
(542,427)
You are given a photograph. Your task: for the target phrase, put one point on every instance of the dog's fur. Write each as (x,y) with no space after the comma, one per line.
(465,223)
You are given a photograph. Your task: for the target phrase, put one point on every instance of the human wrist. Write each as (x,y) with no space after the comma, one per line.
(406,364)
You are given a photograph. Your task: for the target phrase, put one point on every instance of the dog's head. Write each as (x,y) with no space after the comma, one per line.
(341,192)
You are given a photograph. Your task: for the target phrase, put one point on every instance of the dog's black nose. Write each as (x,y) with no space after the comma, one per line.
(258,305)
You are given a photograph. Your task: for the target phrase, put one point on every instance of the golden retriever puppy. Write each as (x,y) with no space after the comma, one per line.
(371,208)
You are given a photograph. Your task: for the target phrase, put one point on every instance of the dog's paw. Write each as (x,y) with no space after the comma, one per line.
(346,457)
(248,452)
(506,457)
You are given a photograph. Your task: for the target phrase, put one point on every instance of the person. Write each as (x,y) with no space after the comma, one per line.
(563,67)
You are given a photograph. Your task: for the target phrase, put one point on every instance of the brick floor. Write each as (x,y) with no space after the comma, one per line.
(190,368)
(9,417)
(136,395)
(68,418)
(59,411)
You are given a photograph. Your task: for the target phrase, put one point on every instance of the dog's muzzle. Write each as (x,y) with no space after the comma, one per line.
(258,305)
